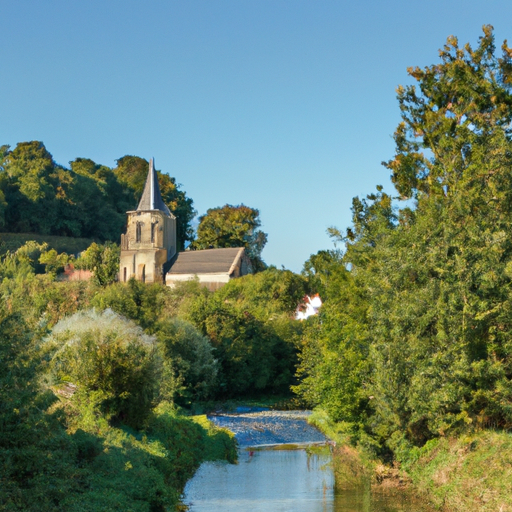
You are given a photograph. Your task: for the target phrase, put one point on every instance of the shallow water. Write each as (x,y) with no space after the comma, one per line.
(281,481)
(266,480)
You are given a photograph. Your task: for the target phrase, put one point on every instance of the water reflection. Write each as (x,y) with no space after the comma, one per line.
(267,480)
(281,481)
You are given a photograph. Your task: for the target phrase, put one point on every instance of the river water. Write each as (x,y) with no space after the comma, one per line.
(274,475)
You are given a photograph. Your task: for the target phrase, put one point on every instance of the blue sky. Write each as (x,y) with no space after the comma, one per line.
(287,106)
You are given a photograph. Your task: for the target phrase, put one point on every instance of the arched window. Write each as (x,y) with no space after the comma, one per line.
(124,274)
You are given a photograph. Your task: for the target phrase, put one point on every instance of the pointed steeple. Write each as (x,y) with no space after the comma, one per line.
(151,198)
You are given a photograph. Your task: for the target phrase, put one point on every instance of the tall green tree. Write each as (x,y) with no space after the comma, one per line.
(448,348)
(416,341)
(459,112)
(100,200)
(102,260)
(32,187)
(232,226)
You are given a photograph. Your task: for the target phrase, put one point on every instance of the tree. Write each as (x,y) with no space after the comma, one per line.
(320,268)
(102,260)
(98,200)
(189,356)
(31,189)
(53,261)
(38,464)
(4,150)
(460,114)
(418,342)
(232,226)
(251,326)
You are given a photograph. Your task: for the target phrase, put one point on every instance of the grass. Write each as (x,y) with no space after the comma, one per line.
(220,444)
(473,472)
(141,471)
(69,245)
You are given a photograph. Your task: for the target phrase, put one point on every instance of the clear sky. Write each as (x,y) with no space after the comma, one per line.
(287,106)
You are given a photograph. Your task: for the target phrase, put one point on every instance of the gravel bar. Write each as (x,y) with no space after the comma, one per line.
(253,429)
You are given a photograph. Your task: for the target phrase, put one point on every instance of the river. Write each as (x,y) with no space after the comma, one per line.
(284,466)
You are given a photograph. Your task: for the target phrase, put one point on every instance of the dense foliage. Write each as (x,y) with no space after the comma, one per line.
(88,200)
(250,324)
(247,327)
(109,356)
(73,379)
(232,226)
(415,339)
(64,455)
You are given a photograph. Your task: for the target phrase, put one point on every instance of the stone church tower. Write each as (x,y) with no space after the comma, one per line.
(150,239)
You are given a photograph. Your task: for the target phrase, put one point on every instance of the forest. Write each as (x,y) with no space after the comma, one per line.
(412,347)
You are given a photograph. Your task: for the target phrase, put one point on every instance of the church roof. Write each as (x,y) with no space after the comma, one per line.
(207,261)
(151,198)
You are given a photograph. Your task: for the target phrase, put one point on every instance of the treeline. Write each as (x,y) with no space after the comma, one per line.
(87,200)
(414,341)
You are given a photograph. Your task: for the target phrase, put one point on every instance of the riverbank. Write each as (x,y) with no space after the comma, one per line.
(473,472)
(284,462)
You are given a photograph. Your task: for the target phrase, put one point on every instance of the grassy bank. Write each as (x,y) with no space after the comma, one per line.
(473,472)
(93,465)
(147,470)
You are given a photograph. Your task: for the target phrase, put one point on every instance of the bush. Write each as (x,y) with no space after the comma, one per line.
(109,355)
(191,356)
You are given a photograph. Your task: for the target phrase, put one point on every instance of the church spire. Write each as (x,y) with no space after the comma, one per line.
(151,198)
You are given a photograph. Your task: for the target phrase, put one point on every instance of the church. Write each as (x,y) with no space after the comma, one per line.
(149,249)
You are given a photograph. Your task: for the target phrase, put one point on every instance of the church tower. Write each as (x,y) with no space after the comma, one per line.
(150,239)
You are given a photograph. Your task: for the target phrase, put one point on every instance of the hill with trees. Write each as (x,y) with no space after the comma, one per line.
(87,200)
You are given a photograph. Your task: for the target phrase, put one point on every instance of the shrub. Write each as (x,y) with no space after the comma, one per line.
(111,356)
(191,356)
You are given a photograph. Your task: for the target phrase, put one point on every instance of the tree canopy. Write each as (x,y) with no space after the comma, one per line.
(89,200)
(414,339)
(232,226)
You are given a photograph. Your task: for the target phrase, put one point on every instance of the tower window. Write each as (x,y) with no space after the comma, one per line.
(153,232)
(138,232)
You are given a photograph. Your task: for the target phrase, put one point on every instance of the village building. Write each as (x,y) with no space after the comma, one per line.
(212,267)
(149,254)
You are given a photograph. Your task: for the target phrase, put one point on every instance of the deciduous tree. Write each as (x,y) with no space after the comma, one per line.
(232,226)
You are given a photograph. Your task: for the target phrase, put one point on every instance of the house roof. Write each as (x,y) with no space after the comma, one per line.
(207,261)
(151,198)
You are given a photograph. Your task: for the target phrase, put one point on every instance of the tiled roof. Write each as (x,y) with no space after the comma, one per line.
(151,198)
(206,261)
